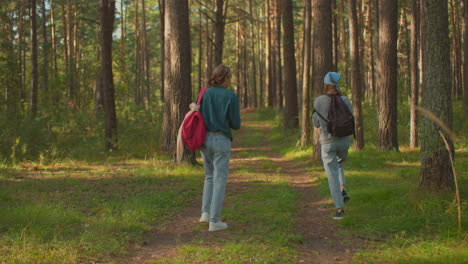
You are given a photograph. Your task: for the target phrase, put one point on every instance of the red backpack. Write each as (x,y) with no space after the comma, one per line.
(193,127)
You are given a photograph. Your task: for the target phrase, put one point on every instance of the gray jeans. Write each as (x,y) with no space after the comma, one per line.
(216,155)
(333,155)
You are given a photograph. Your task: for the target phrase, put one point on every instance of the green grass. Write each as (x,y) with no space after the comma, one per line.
(86,213)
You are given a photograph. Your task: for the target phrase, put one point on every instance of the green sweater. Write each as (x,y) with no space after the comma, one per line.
(220,109)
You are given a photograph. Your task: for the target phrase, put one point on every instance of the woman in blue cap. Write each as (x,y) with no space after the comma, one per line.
(333,149)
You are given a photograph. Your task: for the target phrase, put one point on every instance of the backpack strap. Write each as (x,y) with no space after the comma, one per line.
(200,95)
(321,116)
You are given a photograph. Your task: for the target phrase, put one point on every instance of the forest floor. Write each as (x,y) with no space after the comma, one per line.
(321,239)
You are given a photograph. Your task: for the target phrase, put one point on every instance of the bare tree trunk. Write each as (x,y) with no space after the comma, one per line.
(45,50)
(356,81)
(388,75)
(162,41)
(138,56)
(21,57)
(323,55)
(177,82)
(456,63)
(269,82)
(305,118)
(219,32)
(145,59)
(200,51)
(336,40)
(276,33)
(70,54)
(436,171)
(344,42)
(54,40)
(465,54)
(414,73)
(291,115)
(253,38)
(107,28)
(34,66)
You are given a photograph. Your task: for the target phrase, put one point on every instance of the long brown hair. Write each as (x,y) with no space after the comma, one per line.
(219,75)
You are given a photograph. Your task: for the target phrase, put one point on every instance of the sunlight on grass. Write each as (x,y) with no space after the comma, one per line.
(95,210)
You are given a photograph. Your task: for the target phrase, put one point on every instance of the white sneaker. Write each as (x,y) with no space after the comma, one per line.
(218,226)
(205,217)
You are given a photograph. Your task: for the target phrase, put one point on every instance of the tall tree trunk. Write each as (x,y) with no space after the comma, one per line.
(138,56)
(465,54)
(356,80)
(291,115)
(107,28)
(436,172)
(34,66)
(414,73)
(70,55)
(219,32)
(200,50)
(253,38)
(336,39)
(305,118)
(145,59)
(277,74)
(323,56)
(388,75)
(344,42)
(177,82)
(162,42)
(21,57)
(45,50)
(269,80)
(54,40)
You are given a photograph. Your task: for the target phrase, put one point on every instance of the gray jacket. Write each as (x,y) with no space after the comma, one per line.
(322,105)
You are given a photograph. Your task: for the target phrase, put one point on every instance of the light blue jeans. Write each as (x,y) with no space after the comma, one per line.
(216,155)
(333,155)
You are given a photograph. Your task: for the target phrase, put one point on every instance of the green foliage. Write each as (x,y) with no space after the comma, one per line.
(68,134)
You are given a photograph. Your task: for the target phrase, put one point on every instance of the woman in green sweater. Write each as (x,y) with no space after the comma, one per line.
(220,110)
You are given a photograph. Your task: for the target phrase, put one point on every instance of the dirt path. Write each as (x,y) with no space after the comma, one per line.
(324,241)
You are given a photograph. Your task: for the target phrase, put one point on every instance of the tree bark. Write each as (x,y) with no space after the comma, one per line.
(107,10)
(388,137)
(219,32)
(356,80)
(145,59)
(269,80)
(277,74)
(45,51)
(291,115)
(323,56)
(414,73)
(436,172)
(253,38)
(54,40)
(336,39)
(465,54)
(305,118)
(162,49)
(34,65)
(177,82)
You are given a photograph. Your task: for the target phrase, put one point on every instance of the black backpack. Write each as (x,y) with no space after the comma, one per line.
(340,121)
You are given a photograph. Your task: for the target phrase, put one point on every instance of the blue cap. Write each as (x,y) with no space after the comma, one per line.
(332,78)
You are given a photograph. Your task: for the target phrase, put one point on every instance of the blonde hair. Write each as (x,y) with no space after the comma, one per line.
(219,75)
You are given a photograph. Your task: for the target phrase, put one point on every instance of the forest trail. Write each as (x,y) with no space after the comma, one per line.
(323,240)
